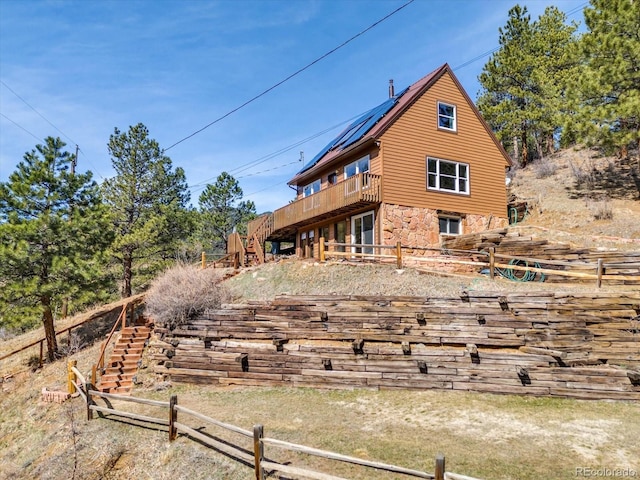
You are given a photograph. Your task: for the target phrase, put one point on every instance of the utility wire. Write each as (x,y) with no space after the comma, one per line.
(46,120)
(21,127)
(574,10)
(292,75)
(41,116)
(265,158)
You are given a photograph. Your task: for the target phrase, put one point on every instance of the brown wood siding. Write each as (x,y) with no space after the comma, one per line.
(414,136)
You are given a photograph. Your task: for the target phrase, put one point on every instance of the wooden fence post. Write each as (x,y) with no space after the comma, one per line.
(322,256)
(94,374)
(71,376)
(236,260)
(492,262)
(439,473)
(599,271)
(204,260)
(87,388)
(399,255)
(173,418)
(258,450)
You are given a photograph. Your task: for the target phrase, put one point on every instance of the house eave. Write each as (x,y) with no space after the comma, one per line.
(361,144)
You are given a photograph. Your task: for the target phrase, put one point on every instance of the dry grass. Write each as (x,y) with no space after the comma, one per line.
(563,199)
(293,277)
(182,292)
(483,435)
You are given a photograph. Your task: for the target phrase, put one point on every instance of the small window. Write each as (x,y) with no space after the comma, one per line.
(333,178)
(449,226)
(446,116)
(447,176)
(311,188)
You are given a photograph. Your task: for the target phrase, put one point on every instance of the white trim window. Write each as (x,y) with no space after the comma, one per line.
(447,176)
(310,189)
(450,225)
(447,116)
(359,166)
(351,170)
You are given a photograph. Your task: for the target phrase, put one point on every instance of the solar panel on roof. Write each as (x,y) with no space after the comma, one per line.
(356,130)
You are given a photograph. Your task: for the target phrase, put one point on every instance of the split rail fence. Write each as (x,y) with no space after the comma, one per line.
(262,465)
(520,268)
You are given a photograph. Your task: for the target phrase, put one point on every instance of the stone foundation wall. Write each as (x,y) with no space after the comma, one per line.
(418,227)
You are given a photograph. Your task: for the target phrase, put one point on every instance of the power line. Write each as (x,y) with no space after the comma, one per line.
(292,75)
(32,108)
(265,158)
(21,127)
(49,122)
(493,50)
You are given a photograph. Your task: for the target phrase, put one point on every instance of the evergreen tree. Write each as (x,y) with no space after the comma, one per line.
(222,210)
(608,87)
(523,83)
(53,233)
(148,206)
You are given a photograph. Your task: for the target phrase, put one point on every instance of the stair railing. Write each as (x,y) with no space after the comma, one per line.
(258,249)
(122,319)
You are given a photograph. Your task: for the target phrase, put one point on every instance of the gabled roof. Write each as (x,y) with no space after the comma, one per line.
(375,122)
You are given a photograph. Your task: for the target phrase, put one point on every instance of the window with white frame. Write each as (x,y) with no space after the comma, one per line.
(447,176)
(359,166)
(311,188)
(450,225)
(447,116)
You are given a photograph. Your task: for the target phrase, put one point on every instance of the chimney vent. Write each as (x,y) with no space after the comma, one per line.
(391,89)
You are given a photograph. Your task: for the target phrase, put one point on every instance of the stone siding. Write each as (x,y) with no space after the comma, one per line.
(419,227)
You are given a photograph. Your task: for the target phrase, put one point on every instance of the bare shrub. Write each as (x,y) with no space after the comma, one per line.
(585,175)
(601,210)
(73,345)
(544,167)
(183,292)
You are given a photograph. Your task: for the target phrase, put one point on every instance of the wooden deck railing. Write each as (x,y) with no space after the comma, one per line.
(360,189)
(260,227)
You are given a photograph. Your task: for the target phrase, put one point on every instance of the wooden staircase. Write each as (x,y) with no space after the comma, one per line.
(125,360)
(254,254)
(258,231)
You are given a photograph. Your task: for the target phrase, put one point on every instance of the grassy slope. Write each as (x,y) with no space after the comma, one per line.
(499,437)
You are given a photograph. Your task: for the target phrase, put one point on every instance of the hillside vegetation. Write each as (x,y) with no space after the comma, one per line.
(488,436)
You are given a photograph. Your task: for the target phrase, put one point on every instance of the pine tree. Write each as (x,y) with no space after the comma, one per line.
(148,202)
(607,96)
(53,233)
(523,83)
(222,210)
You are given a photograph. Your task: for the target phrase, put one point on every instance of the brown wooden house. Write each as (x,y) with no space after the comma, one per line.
(421,165)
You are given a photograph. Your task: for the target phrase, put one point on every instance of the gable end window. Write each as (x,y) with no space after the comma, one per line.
(447,176)
(447,117)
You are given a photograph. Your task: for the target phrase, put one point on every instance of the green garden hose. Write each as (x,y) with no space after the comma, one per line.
(520,275)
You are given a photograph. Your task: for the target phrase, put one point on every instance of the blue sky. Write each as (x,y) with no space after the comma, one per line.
(90,66)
